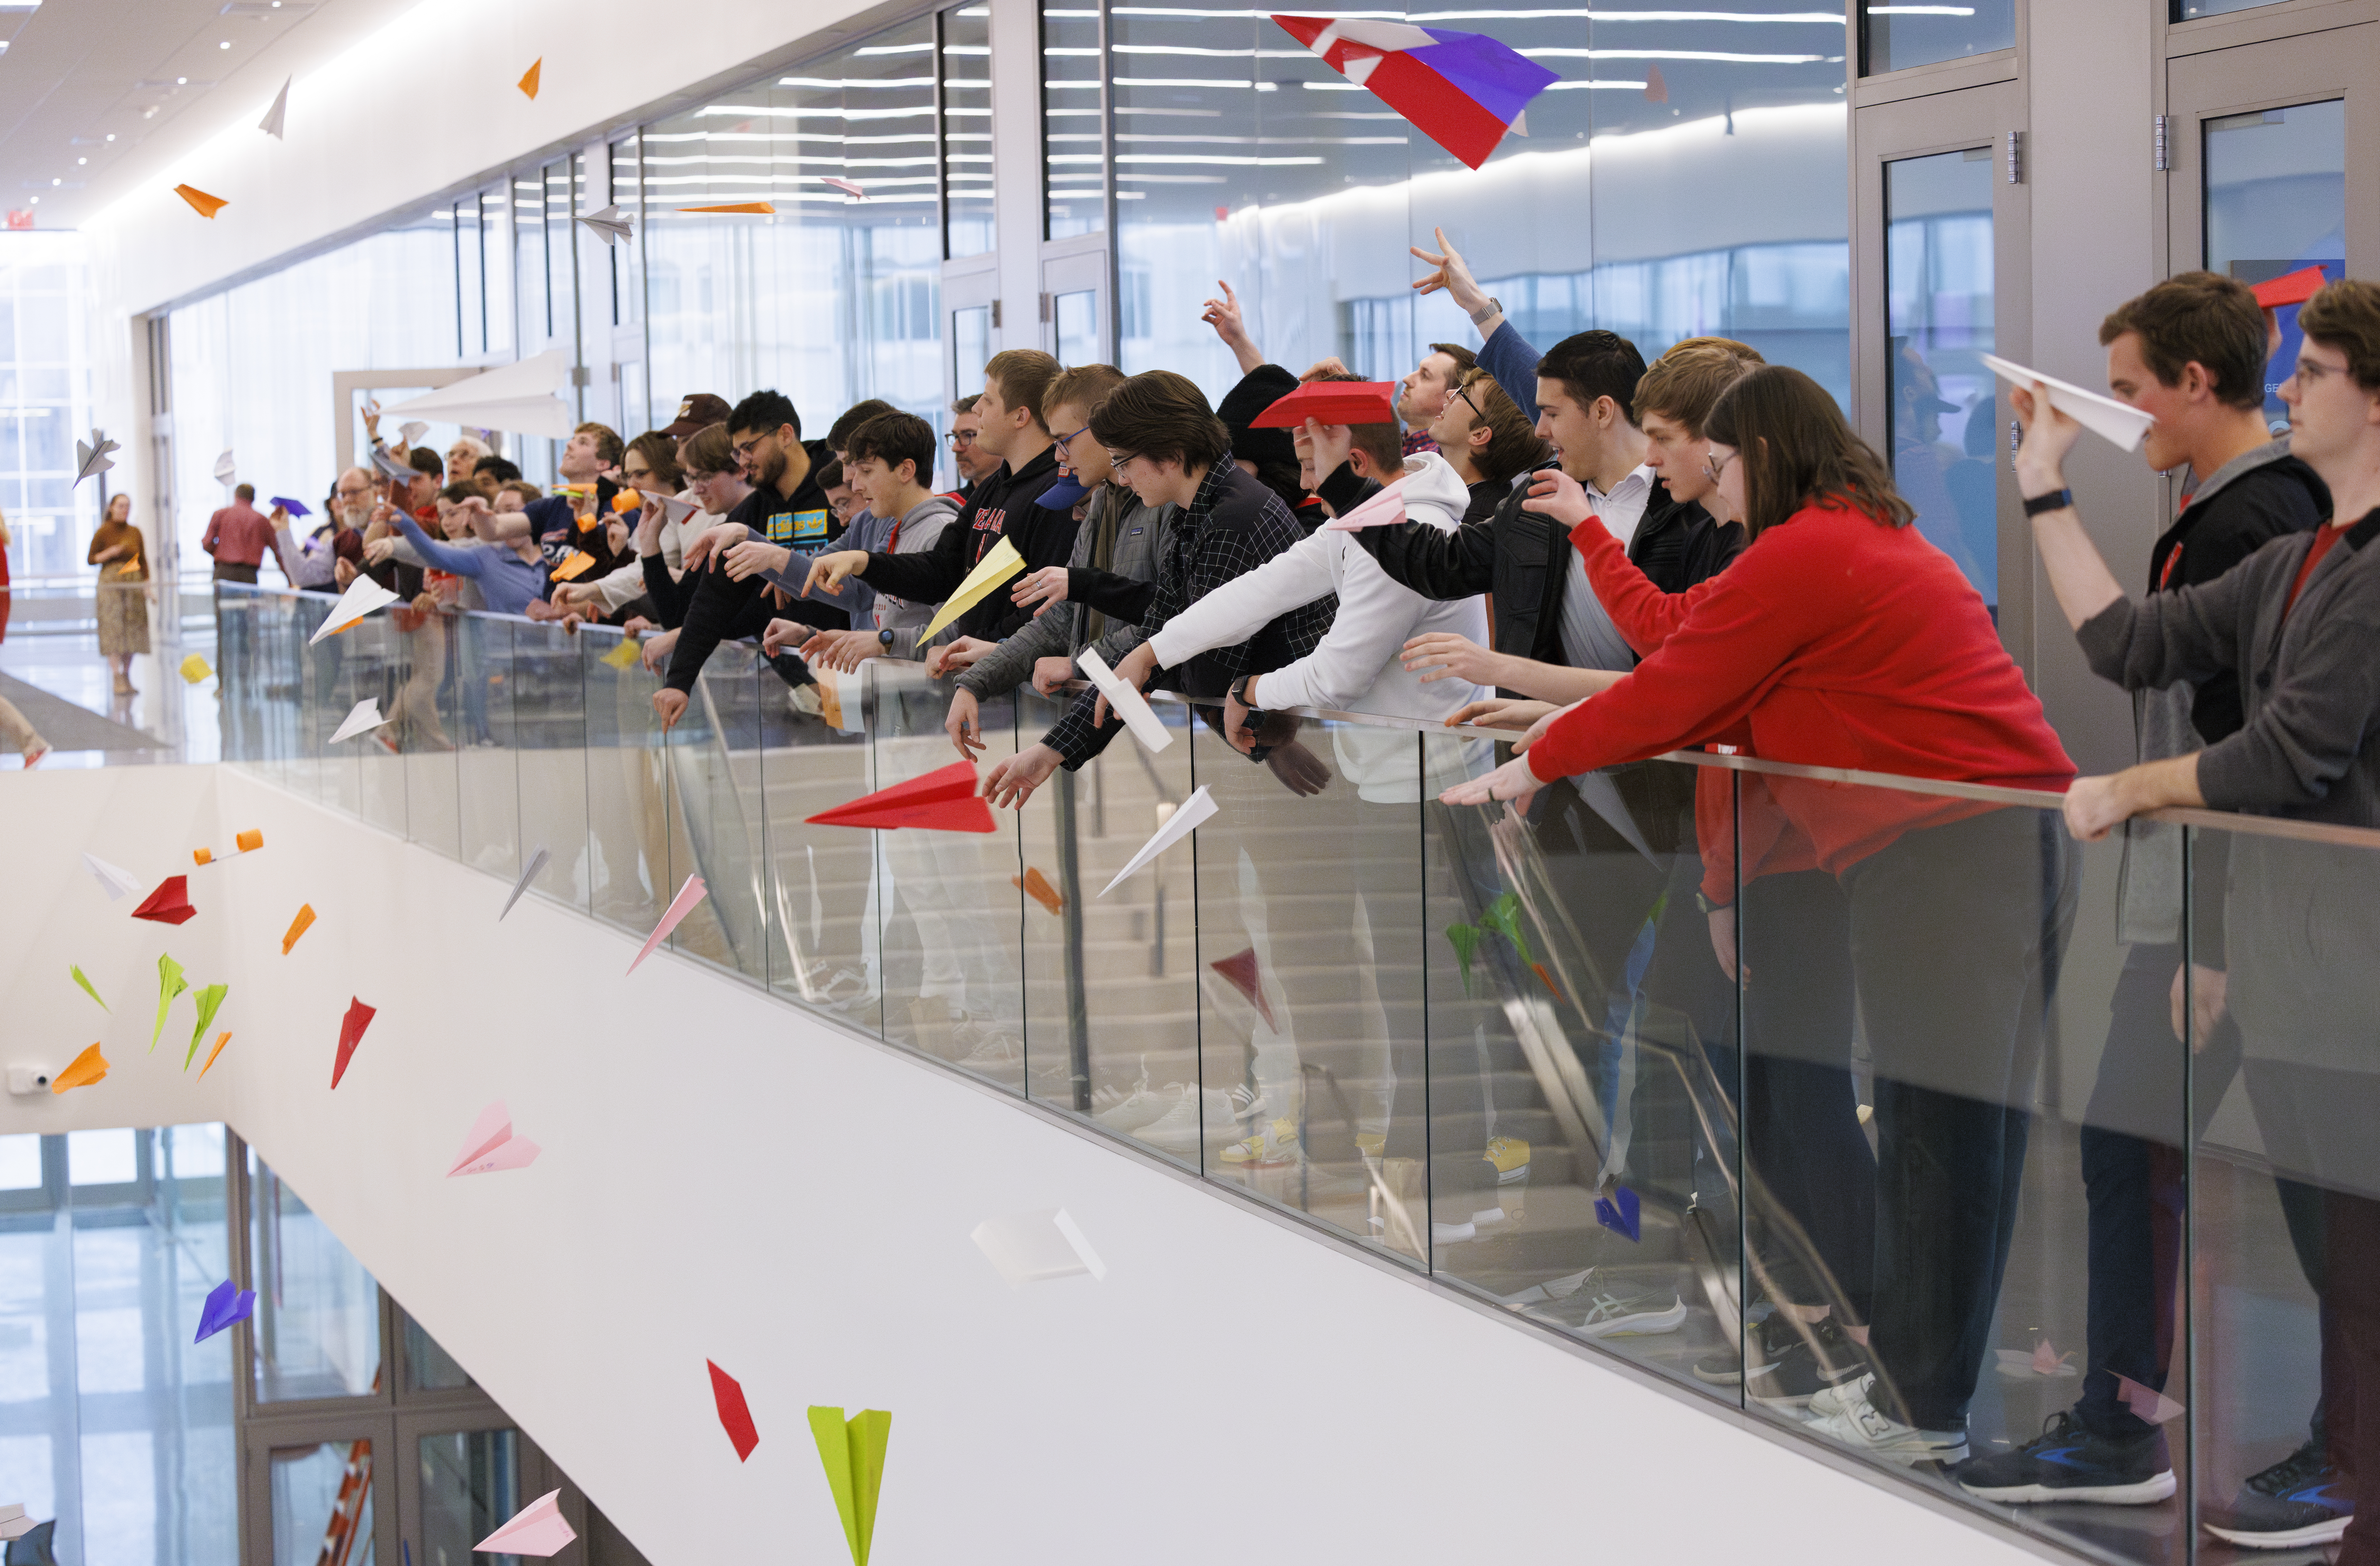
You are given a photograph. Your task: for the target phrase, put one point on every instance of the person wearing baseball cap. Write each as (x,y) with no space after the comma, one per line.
(697,412)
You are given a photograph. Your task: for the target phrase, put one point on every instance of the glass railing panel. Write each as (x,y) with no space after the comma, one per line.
(377,664)
(333,781)
(2285,1188)
(432,707)
(1610,1033)
(547,694)
(948,914)
(717,829)
(820,917)
(1307,886)
(1111,986)
(487,760)
(628,790)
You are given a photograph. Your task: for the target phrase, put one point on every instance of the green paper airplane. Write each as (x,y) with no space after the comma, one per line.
(170,983)
(83,979)
(1466,940)
(209,999)
(854,1455)
(1505,915)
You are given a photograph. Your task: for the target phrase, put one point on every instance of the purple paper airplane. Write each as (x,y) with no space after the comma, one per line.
(1462,90)
(223,1307)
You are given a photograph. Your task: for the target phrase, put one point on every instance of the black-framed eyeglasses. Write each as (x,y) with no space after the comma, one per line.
(1066,443)
(743,449)
(1477,411)
(960,437)
(1116,460)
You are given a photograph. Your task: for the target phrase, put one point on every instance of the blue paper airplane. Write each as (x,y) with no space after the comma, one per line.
(1619,1212)
(223,1307)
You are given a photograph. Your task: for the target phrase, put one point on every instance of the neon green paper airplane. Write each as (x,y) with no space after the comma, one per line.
(84,979)
(854,1455)
(209,999)
(170,983)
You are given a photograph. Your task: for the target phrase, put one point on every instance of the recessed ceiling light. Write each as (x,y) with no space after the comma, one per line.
(181,81)
(148,113)
(57,182)
(111,135)
(225,45)
(82,160)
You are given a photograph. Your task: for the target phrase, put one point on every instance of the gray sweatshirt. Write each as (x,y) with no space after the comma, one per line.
(1116,525)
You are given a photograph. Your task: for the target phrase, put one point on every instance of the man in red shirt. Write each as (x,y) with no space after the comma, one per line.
(238,536)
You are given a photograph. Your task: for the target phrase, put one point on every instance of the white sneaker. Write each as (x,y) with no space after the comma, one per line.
(1551,1289)
(1863,1430)
(1106,1098)
(1828,1401)
(1618,1312)
(1000,1055)
(1176,1130)
(1146,1107)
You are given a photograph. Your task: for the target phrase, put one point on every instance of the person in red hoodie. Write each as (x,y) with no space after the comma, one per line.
(1841,638)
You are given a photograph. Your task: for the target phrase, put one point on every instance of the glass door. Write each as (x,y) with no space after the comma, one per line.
(1075,321)
(1940,280)
(971,323)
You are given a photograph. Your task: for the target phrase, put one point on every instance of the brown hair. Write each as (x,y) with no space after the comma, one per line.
(1022,374)
(1465,359)
(1684,382)
(2346,315)
(709,450)
(1744,351)
(1512,446)
(1162,416)
(829,475)
(1797,451)
(661,454)
(1384,443)
(2202,317)
(1084,387)
(522,488)
(892,439)
(607,442)
(838,435)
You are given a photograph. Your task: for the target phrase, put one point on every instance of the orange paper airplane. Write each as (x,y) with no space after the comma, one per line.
(574,567)
(200,202)
(1037,886)
(212,1053)
(528,78)
(87,1068)
(945,800)
(735,207)
(298,926)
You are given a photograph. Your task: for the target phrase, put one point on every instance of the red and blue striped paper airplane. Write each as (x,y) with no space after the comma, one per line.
(1462,90)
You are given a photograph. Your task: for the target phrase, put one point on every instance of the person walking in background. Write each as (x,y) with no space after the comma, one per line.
(238,536)
(4,542)
(123,561)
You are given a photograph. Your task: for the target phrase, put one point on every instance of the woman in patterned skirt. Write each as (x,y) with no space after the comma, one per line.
(123,562)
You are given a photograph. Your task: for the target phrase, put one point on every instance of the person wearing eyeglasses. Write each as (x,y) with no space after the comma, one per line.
(974,463)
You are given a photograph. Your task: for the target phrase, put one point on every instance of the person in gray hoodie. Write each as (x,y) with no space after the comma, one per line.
(887,461)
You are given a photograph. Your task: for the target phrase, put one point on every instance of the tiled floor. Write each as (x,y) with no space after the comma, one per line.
(67,665)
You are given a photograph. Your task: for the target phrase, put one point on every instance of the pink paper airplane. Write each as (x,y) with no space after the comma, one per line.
(693,891)
(845,185)
(1386,507)
(2152,1406)
(492,1145)
(536,1529)
(2046,1360)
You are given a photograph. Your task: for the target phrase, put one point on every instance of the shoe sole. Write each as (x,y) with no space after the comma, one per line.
(2148,1492)
(1644,1324)
(2295,1538)
(1728,1378)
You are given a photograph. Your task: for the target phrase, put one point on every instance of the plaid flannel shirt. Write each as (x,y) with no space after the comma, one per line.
(1204,551)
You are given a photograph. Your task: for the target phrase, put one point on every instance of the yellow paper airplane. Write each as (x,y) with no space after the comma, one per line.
(1002,563)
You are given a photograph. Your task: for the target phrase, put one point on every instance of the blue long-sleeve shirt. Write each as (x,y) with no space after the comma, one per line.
(507,581)
(1508,357)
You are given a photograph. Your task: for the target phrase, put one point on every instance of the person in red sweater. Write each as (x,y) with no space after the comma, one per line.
(1841,638)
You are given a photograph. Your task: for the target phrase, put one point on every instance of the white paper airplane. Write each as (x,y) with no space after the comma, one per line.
(1386,507)
(678,510)
(1033,1248)
(90,457)
(610,223)
(14,1524)
(388,464)
(225,468)
(365,716)
(1126,702)
(2119,422)
(363,596)
(536,863)
(118,881)
(1193,810)
(273,116)
(522,398)
(411,431)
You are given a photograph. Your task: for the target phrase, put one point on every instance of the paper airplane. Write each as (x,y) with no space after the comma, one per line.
(1384,507)
(734,207)
(1125,702)
(209,1000)
(854,1455)
(14,1524)
(226,470)
(1240,970)
(611,223)
(997,565)
(1331,402)
(1657,86)
(1033,1248)
(365,715)
(528,82)
(170,983)
(194,669)
(1462,90)
(84,979)
(678,510)
(1503,916)
(848,187)
(1036,885)
(298,926)
(118,881)
(351,1033)
(2152,1406)
(2103,416)
(2295,288)
(524,397)
(622,656)
(211,1054)
(248,841)
(681,904)
(942,800)
(536,863)
(271,122)
(735,1416)
(1466,940)
(200,202)
(493,1145)
(223,1307)
(1620,1213)
(82,1072)
(363,596)
(2043,1361)
(90,457)
(2047,1361)
(536,1529)
(574,567)
(1179,825)
(294,507)
(387,465)
(169,904)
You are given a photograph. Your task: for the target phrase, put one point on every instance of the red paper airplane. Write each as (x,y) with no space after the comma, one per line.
(945,800)
(170,904)
(2295,288)
(1241,969)
(734,1418)
(351,1033)
(1332,402)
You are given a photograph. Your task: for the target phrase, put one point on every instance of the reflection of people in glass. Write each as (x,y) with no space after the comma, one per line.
(2192,351)
(1921,461)
(1842,637)
(2294,623)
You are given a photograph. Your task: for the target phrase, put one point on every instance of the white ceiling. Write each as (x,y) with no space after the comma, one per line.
(97,95)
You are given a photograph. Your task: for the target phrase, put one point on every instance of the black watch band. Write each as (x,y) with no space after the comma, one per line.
(884,637)
(2056,500)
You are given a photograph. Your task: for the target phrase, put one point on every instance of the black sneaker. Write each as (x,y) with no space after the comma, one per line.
(1765,1338)
(1801,1371)
(2298,1501)
(2068,1462)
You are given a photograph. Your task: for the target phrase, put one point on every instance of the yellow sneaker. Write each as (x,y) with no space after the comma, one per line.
(1372,1144)
(1510,1157)
(1276,1143)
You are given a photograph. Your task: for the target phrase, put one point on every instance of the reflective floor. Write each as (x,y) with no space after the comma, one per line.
(181,716)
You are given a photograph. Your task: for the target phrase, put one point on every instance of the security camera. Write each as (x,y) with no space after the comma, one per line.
(29,1079)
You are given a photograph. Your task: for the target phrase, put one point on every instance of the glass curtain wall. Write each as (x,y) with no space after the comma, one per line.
(44,404)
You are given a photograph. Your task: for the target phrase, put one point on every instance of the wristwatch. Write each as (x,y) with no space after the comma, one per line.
(2055,500)
(884,638)
(1239,693)
(1493,308)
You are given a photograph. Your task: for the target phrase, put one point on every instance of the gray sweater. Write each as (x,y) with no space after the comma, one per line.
(1057,632)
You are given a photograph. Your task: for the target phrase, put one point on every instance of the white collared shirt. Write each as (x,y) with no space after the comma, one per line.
(1589,639)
